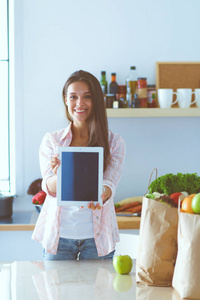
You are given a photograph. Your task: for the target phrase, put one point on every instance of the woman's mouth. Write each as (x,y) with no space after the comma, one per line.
(79,111)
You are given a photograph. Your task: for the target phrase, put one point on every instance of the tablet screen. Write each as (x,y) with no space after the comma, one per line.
(80,175)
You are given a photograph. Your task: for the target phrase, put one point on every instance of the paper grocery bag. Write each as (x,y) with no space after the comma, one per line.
(186,277)
(157,243)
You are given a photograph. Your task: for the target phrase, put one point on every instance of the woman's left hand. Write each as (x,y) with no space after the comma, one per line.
(105,196)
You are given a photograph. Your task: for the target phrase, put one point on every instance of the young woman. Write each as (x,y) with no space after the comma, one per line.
(80,232)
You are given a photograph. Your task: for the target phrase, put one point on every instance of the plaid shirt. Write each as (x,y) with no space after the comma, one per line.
(106,232)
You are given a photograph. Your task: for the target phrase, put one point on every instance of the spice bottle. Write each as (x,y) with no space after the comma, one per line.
(113,87)
(103,82)
(151,96)
(142,91)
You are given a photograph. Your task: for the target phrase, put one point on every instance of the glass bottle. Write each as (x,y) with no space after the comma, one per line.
(113,87)
(103,82)
(129,96)
(131,80)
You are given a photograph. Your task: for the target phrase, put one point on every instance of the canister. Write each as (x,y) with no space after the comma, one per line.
(109,100)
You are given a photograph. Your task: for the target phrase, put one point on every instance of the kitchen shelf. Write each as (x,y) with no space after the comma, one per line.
(152,112)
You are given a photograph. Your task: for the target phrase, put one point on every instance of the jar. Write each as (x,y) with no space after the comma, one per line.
(151,96)
(142,91)
(120,101)
(109,100)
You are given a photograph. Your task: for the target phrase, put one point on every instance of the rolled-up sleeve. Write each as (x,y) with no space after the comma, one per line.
(46,151)
(114,170)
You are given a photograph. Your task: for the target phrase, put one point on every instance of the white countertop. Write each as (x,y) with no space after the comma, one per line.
(74,280)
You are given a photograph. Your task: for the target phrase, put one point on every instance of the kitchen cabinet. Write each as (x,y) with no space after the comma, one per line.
(152,112)
(15,235)
(18,245)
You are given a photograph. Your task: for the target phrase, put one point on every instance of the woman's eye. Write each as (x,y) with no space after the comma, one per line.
(88,97)
(72,97)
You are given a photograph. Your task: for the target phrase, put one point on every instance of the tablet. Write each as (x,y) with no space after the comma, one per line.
(80,175)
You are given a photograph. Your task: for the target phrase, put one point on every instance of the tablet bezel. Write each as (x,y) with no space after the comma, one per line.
(98,150)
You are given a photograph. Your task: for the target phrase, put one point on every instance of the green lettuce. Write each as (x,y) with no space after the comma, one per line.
(171,183)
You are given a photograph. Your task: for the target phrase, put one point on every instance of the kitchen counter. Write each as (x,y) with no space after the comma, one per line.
(85,280)
(20,220)
(26,220)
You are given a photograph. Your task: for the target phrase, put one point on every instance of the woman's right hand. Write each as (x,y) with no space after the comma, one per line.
(55,163)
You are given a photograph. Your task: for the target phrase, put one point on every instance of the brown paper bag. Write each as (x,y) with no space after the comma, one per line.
(187,269)
(157,243)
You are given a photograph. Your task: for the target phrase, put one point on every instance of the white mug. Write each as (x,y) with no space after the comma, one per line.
(198,97)
(165,98)
(185,97)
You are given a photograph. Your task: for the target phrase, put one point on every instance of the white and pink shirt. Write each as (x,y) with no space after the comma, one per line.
(47,229)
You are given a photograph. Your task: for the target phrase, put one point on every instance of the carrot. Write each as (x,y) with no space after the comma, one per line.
(135,209)
(127,206)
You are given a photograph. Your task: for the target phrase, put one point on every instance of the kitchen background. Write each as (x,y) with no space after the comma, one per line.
(55,38)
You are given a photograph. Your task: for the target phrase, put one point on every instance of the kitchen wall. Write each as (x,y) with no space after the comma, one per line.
(55,38)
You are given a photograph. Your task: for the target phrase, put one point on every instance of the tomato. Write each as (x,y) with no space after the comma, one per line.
(175,197)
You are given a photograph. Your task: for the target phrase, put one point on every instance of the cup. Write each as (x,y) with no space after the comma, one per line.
(198,97)
(185,97)
(165,98)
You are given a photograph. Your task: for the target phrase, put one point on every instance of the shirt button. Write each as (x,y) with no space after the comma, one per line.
(97,217)
(98,233)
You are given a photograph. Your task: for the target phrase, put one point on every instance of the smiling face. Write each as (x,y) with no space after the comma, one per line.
(79,101)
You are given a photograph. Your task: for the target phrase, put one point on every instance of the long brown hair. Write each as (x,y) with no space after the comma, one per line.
(98,123)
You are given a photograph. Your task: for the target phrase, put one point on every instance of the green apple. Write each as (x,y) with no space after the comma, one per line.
(196,204)
(122,264)
(122,283)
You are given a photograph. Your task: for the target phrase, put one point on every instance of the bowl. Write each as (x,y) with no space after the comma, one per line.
(38,207)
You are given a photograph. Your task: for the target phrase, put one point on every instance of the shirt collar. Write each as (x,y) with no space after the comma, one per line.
(67,133)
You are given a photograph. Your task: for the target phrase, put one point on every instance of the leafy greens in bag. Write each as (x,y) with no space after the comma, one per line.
(171,183)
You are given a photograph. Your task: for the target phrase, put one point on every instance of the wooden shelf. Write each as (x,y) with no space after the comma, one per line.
(128,222)
(152,112)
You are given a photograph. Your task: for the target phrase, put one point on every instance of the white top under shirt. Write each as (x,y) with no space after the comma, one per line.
(76,222)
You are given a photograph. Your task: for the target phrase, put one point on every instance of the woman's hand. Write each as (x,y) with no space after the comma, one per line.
(105,196)
(55,163)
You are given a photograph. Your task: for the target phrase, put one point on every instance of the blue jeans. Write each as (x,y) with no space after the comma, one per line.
(70,249)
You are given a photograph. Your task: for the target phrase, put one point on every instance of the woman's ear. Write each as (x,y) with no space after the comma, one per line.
(65,100)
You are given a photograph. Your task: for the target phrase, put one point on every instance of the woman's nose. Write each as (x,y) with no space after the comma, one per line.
(80,100)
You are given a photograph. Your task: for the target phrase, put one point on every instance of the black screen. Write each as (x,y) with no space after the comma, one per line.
(79,176)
